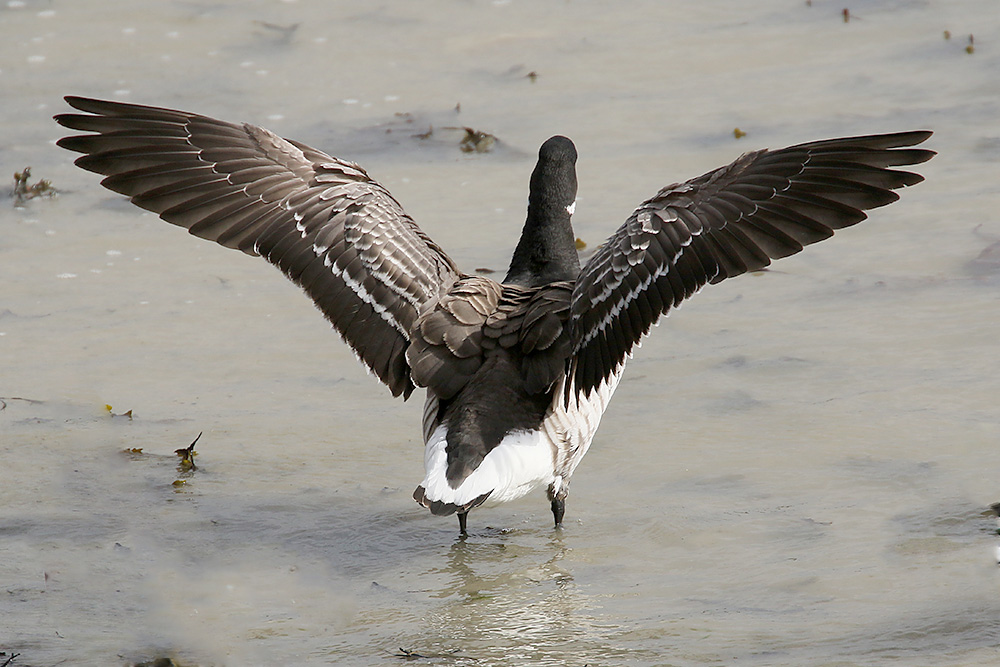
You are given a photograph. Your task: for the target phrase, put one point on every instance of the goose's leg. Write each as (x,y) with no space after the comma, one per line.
(462,516)
(558,490)
(558,509)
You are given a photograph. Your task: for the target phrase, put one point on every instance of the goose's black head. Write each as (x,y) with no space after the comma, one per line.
(547,249)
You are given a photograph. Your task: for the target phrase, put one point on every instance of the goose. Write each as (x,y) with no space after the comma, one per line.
(517,373)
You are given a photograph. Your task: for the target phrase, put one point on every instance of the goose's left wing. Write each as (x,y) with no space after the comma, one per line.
(330,228)
(765,205)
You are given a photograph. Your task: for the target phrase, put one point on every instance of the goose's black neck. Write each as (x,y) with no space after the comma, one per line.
(547,249)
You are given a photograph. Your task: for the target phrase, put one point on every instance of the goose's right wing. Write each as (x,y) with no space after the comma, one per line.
(329,227)
(765,205)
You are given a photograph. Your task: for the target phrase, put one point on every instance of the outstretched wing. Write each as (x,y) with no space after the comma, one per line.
(329,227)
(765,205)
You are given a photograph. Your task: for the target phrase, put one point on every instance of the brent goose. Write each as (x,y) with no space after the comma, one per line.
(517,373)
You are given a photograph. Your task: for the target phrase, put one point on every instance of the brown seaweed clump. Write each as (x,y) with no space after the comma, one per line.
(23,190)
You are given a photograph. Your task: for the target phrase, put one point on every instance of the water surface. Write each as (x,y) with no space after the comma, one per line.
(795,470)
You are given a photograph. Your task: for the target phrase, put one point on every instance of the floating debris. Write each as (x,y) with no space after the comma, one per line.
(947,34)
(425,135)
(971,48)
(580,243)
(438,132)
(847,15)
(135,454)
(409,655)
(162,661)
(283,32)
(23,191)
(475,141)
(531,76)
(29,401)
(187,455)
(123,414)
(738,133)
(482,270)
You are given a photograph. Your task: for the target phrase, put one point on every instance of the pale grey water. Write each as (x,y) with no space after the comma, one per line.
(794,471)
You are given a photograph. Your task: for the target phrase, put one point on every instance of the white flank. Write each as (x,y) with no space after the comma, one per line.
(573,426)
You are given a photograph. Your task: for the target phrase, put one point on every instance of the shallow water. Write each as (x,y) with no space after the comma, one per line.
(795,470)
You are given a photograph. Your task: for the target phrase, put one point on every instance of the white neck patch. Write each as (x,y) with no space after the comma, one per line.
(571,207)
